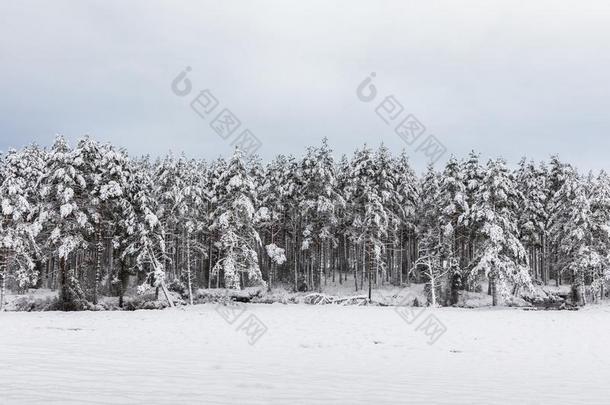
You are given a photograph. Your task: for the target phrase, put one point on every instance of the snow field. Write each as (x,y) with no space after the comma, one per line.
(309,355)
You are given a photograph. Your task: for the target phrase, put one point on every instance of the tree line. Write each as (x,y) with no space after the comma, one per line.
(89,220)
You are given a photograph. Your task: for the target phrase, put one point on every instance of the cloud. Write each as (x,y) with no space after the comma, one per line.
(502,78)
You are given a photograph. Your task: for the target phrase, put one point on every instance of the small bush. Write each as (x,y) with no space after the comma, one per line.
(179,287)
(29,304)
(149,301)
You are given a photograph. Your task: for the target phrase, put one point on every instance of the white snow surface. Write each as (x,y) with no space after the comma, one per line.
(309,355)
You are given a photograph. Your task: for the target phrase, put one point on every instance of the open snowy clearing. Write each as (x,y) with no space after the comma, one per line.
(309,355)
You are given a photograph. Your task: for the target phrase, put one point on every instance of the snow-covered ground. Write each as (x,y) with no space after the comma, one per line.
(308,355)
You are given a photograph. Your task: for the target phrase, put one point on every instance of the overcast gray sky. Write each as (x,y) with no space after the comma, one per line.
(506,78)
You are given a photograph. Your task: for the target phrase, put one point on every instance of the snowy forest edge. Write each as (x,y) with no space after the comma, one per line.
(88,222)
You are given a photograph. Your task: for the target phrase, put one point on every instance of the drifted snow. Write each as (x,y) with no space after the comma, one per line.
(309,355)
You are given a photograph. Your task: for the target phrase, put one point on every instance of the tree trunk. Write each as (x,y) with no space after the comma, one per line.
(98,264)
(166,293)
(3,272)
(494,291)
(320,266)
(2,288)
(400,256)
(296,268)
(363,267)
(210,247)
(332,262)
(370,274)
(544,259)
(355,265)
(110,262)
(432,284)
(188,268)
(123,279)
(270,271)
(345,267)
(312,263)
(65,296)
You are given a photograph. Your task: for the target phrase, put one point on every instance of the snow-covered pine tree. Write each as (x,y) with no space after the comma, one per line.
(63,216)
(319,205)
(234,222)
(581,231)
(557,174)
(500,254)
(292,185)
(214,193)
(198,202)
(430,232)
(181,190)
(455,215)
(371,220)
(169,185)
(271,216)
(533,217)
(193,219)
(19,172)
(407,189)
(256,171)
(344,215)
(386,181)
(106,179)
(574,231)
(126,222)
(600,211)
(473,177)
(145,245)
